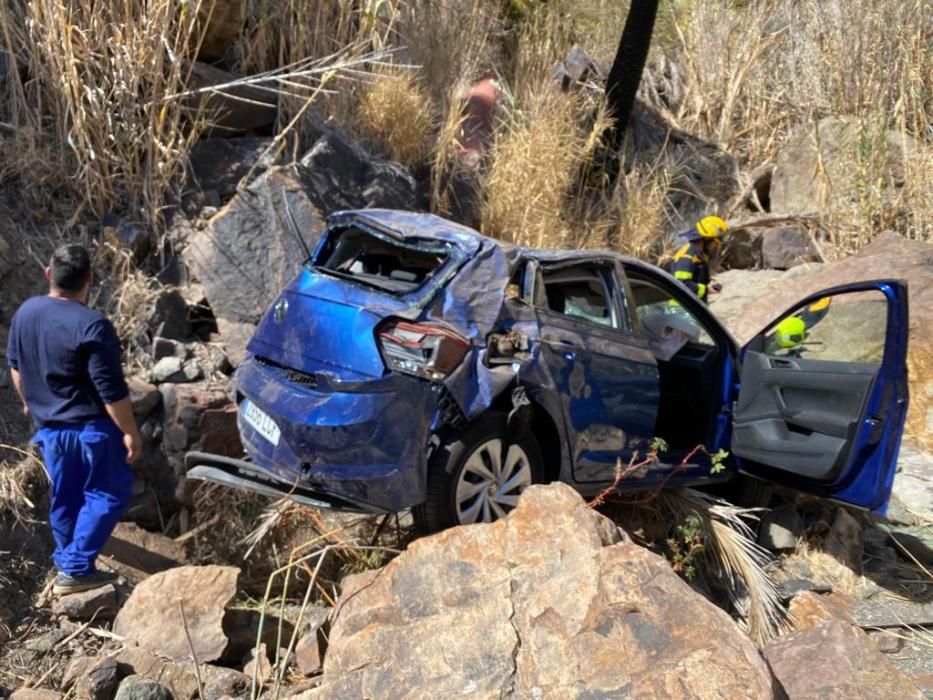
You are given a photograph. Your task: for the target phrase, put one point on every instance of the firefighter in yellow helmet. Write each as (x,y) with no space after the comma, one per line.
(792,331)
(692,261)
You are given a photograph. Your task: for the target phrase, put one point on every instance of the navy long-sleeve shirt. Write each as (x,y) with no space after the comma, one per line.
(68,357)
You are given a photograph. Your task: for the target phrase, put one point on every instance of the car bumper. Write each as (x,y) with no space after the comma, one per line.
(362,442)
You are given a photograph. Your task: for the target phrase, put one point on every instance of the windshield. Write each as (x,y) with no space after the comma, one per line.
(377,260)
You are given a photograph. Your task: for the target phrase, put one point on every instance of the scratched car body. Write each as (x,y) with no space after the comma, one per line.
(413,363)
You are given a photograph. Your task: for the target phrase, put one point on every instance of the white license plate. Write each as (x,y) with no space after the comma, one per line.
(262,422)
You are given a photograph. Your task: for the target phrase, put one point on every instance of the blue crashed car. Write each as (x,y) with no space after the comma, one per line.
(414,363)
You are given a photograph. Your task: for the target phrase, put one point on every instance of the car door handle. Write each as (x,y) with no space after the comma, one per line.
(779,363)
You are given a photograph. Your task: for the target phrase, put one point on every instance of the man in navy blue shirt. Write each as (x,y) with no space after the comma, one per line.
(65,362)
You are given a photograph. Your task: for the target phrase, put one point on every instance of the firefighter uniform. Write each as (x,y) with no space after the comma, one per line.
(691,266)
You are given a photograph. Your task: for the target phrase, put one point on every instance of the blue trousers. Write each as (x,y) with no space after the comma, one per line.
(91,487)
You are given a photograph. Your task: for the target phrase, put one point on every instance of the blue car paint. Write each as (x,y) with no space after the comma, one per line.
(355,441)
(364,433)
(869,477)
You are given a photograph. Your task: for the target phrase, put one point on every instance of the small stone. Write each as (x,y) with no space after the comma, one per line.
(192,371)
(887,642)
(100,681)
(780,528)
(165,347)
(47,641)
(144,396)
(76,669)
(308,655)
(309,651)
(35,694)
(809,609)
(139,688)
(222,682)
(169,316)
(258,659)
(791,587)
(98,603)
(168,369)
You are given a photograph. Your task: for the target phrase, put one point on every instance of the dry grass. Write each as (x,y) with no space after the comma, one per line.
(733,556)
(396,116)
(101,71)
(21,475)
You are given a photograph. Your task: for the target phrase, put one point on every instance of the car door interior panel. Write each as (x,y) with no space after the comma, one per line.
(801,413)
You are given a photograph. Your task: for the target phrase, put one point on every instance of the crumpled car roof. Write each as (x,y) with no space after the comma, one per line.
(424,225)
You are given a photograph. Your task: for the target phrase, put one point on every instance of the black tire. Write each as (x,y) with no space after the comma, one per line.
(446,466)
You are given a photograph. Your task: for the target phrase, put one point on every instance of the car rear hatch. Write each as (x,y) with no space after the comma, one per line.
(359,275)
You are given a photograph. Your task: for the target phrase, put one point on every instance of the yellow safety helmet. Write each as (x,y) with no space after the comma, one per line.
(711,228)
(790,332)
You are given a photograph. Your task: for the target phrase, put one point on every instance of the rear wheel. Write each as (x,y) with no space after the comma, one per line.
(478,474)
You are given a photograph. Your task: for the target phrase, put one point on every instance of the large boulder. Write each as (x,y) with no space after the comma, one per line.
(551,602)
(834,659)
(250,251)
(152,616)
(750,300)
(818,168)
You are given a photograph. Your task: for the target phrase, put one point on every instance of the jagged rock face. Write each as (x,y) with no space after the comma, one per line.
(750,300)
(551,602)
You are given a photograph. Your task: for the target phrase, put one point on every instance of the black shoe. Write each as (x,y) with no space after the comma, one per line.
(65,584)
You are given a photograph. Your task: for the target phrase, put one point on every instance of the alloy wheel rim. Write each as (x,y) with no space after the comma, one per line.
(490,483)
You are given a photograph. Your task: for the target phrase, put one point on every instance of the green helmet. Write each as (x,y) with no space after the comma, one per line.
(790,332)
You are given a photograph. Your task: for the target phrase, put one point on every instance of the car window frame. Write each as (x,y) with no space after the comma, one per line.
(603,270)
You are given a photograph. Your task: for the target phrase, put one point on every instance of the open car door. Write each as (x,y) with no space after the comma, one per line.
(823,395)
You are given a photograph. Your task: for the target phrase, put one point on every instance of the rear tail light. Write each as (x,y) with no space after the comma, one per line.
(423,350)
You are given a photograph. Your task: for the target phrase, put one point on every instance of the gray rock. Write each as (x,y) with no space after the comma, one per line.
(133,237)
(249,251)
(220,164)
(884,611)
(780,528)
(823,158)
(785,247)
(98,603)
(887,642)
(576,68)
(139,688)
(144,397)
(192,371)
(163,347)
(169,316)
(790,588)
(100,681)
(168,369)
(233,109)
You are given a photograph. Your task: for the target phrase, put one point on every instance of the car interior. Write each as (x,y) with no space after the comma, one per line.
(373,260)
(689,380)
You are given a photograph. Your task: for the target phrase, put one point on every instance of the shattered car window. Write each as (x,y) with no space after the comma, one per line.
(580,296)
(378,261)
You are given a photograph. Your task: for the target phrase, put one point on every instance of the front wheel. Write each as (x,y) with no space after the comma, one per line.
(477,475)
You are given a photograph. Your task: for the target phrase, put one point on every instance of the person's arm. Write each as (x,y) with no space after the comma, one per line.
(13,361)
(121,412)
(18,385)
(106,372)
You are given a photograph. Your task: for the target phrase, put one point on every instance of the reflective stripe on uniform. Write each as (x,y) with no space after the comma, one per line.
(683,275)
(701,291)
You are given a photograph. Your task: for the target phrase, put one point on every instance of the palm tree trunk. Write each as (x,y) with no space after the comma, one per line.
(627,67)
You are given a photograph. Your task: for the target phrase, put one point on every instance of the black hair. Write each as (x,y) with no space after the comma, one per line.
(70,267)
